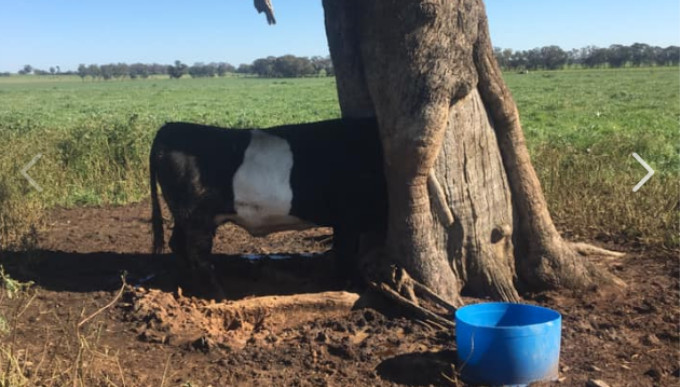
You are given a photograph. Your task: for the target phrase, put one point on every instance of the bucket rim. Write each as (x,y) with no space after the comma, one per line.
(555,316)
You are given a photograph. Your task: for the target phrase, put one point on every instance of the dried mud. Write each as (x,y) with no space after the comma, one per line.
(288,322)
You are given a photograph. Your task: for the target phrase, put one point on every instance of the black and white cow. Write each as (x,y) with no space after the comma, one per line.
(327,173)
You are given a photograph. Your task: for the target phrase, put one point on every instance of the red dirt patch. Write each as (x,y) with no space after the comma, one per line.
(155,335)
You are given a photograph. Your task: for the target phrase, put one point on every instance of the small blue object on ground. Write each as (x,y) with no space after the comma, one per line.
(507,344)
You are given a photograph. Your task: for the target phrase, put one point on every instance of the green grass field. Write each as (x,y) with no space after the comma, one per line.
(582,127)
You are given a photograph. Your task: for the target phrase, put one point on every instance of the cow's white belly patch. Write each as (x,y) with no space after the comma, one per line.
(262,187)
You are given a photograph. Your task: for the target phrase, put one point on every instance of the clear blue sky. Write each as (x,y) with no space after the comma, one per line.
(46,33)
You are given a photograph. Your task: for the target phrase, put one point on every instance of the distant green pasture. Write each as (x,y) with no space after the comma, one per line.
(605,112)
(581,126)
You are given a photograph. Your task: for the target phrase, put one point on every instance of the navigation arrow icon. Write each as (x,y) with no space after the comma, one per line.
(646,177)
(27,167)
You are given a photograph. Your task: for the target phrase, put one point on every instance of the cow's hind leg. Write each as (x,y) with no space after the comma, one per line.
(199,243)
(178,241)
(192,246)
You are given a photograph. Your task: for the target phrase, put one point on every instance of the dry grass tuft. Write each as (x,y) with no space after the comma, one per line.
(72,356)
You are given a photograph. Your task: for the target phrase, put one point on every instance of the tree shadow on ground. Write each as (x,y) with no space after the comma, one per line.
(419,368)
(102,271)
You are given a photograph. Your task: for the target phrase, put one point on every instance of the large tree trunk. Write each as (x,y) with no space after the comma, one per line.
(466,211)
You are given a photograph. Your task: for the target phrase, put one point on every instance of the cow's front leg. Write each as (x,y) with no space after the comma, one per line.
(199,244)
(345,249)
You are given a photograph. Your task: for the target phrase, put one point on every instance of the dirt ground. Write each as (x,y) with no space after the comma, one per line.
(67,329)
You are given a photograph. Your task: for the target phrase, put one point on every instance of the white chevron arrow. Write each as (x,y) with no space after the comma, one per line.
(27,167)
(646,177)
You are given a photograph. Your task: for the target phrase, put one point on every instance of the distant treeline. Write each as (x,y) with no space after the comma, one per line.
(287,66)
(617,55)
(290,66)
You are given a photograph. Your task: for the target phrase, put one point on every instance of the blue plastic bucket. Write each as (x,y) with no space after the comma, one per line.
(507,344)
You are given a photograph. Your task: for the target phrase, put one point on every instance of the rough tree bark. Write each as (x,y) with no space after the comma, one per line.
(466,210)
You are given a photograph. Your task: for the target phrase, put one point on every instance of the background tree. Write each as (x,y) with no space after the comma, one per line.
(93,71)
(264,67)
(504,57)
(671,55)
(106,71)
(518,61)
(594,57)
(573,57)
(245,69)
(138,70)
(158,69)
(200,70)
(618,55)
(289,66)
(119,70)
(641,54)
(225,68)
(615,56)
(553,57)
(535,59)
(82,71)
(27,69)
(322,65)
(178,70)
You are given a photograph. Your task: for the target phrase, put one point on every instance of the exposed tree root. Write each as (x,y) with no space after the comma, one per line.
(588,249)
(600,275)
(552,262)
(572,268)
(416,298)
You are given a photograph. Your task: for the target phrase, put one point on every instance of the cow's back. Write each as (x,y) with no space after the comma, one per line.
(337,171)
(293,176)
(195,165)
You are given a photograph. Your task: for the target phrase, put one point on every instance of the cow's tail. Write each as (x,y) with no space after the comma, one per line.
(156,215)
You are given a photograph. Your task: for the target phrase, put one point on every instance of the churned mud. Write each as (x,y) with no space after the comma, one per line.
(288,322)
